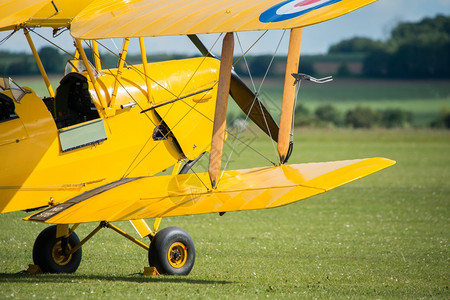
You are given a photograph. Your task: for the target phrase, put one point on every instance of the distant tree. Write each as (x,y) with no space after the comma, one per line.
(376,63)
(396,118)
(52,60)
(258,65)
(343,70)
(328,113)
(306,67)
(443,119)
(303,116)
(356,44)
(362,117)
(414,50)
(302,110)
(425,32)
(21,67)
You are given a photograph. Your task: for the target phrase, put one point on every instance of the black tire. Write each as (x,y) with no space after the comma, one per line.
(172,252)
(48,253)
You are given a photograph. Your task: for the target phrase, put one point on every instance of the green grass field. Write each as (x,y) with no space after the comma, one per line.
(423,98)
(385,236)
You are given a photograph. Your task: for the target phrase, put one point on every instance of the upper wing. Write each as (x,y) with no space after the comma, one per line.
(13,12)
(162,196)
(133,18)
(98,19)
(47,13)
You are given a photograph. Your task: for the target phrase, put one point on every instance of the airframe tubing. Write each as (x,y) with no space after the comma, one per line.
(123,233)
(116,229)
(142,228)
(98,63)
(144,63)
(75,57)
(90,73)
(287,106)
(87,238)
(223,90)
(39,63)
(122,58)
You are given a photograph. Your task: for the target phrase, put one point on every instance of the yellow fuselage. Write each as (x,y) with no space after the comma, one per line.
(44,158)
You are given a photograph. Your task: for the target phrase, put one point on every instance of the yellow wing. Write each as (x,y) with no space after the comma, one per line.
(162,196)
(13,13)
(47,13)
(133,18)
(98,19)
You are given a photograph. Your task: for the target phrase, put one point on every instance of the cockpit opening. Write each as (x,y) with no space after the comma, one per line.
(7,108)
(72,103)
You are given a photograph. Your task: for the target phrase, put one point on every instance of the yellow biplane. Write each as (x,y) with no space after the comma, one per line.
(91,152)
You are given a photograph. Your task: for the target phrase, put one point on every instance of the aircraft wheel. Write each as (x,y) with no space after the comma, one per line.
(49,255)
(172,252)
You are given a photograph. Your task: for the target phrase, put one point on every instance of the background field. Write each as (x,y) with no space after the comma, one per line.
(385,236)
(423,98)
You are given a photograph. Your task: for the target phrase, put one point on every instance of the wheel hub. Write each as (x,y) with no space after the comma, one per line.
(177,255)
(59,255)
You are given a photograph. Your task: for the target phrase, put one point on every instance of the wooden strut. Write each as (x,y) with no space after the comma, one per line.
(287,106)
(218,135)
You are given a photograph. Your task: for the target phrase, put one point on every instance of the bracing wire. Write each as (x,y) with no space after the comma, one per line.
(130,169)
(246,63)
(7,37)
(47,40)
(193,107)
(261,84)
(179,121)
(295,105)
(254,100)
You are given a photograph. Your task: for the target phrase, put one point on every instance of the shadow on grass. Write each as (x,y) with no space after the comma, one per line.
(23,277)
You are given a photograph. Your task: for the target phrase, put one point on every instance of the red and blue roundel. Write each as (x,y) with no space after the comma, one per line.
(292,8)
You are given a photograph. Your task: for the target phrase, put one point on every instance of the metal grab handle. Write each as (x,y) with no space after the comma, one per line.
(130,104)
(301,76)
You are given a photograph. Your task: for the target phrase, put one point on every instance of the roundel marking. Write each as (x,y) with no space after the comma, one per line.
(292,8)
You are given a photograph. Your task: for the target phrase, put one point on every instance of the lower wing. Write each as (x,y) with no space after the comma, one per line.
(188,194)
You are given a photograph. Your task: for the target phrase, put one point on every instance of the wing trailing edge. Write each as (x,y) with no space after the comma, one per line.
(187,194)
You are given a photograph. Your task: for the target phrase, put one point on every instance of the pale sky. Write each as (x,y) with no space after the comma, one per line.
(374,21)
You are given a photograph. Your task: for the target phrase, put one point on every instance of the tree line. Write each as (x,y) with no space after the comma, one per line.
(413,50)
(363,117)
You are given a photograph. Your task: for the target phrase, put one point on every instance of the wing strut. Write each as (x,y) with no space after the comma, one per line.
(39,63)
(287,106)
(111,110)
(247,100)
(218,135)
(144,63)
(101,100)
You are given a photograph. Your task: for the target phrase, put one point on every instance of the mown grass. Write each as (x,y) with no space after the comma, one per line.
(385,236)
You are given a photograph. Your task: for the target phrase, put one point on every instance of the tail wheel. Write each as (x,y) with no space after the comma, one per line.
(53,255)
(172,252)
